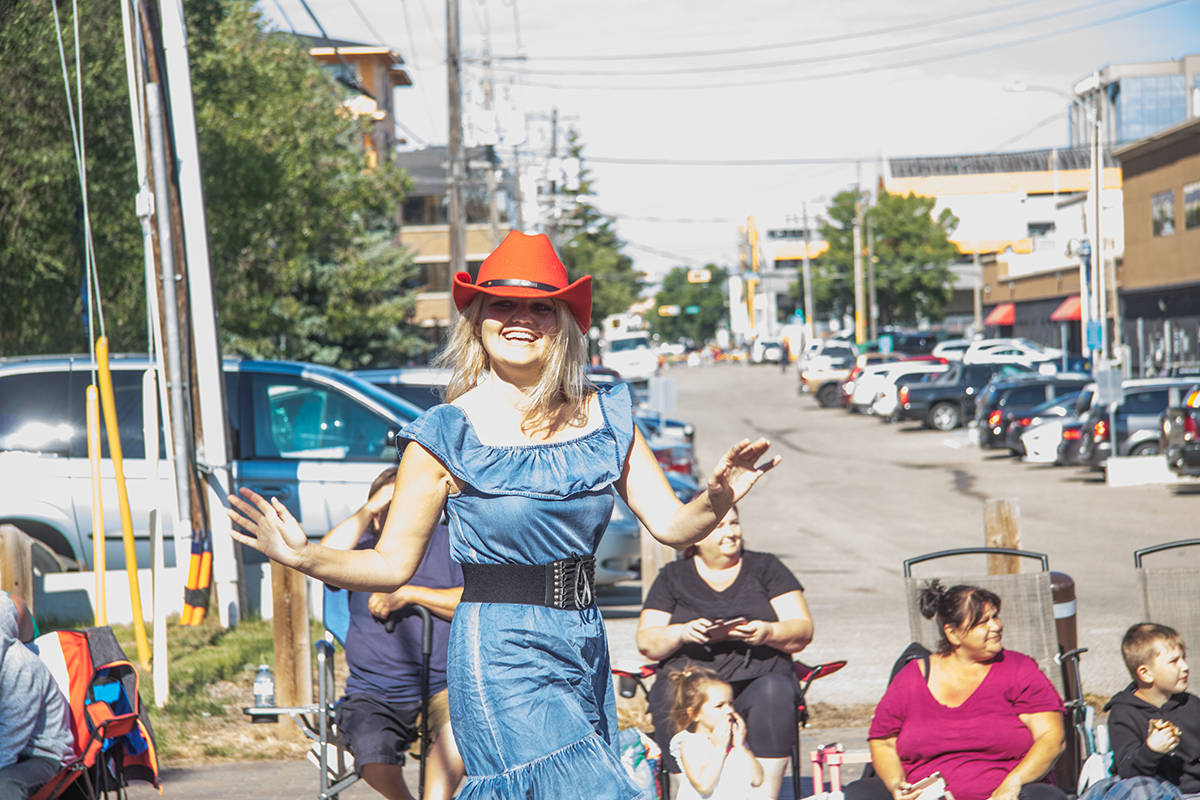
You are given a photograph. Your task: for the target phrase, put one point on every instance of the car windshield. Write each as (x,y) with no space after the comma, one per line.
(1064,402)
(401,408)
(632,343)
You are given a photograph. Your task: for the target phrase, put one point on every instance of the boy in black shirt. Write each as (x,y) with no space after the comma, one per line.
(1154,725)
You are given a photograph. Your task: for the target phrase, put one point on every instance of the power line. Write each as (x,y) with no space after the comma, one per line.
(654,251)
(758,48)
(727,162)
(792,62)
(370,28)
(741,84)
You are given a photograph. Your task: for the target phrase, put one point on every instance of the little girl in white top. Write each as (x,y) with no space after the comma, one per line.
(711,744)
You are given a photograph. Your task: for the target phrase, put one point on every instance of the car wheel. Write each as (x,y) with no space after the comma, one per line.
(945,417)
(1146,449)
(827,396)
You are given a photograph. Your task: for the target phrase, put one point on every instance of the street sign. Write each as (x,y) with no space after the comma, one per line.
(1094,332)
(699,276)
(668,311)
(692,310)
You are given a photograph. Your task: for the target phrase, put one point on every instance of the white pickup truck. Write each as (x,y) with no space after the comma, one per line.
(630,354)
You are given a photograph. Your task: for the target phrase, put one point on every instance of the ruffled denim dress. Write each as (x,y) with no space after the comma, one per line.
(531,695)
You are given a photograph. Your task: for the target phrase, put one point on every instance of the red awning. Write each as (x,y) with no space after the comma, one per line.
(1067,311)
(1003,314)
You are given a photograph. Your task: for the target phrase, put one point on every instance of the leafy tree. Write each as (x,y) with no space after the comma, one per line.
(299,230)
(912,254)
(709,298)
(595,250)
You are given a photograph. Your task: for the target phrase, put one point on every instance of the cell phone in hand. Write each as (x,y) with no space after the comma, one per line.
(930,788)
(719,630)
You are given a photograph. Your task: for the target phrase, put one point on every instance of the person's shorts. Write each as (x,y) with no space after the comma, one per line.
(378,732)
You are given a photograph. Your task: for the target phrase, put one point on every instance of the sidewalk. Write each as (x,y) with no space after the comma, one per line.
(290,780)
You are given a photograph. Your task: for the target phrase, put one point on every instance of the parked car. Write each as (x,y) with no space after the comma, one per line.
(1056,410)
(1134,422)
(822,355)
(629,353)
(1011,398)
(1180,440)
(864,363)
(871,383)
(887,400)
(766,349)
(313,436)
(824,379)
(913,343)
(951,349)
(949,401)
(1070,440)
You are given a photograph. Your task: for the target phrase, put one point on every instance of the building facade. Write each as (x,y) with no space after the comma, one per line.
(1136,100)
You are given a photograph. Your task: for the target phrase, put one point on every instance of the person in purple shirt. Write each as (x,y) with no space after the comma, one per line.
(983,717)
(378,717)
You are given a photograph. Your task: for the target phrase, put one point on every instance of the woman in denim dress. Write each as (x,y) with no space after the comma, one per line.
(525,458)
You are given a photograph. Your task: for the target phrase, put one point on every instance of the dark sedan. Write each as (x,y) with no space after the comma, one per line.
(1008,399)
(1059,409)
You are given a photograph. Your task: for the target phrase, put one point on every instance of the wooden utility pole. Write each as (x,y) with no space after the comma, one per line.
(872,306)
(1002,528)
(809,323)
(860,300)
(458,222)
(293,641)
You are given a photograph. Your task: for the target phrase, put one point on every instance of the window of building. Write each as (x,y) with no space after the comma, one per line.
(1145,105)
(1191,205)
(1162,213)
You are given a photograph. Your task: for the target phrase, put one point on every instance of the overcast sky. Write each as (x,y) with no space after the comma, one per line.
(844,79)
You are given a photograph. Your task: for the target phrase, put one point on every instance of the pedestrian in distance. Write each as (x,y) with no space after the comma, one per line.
(524,458)
(378,719)
(711,743)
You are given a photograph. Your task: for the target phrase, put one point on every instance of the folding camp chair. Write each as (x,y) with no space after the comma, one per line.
(111,733)
(1169,593)
(1029,627)
(630,681)
(316,720)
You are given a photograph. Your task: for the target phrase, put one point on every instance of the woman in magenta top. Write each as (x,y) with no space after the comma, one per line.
(986,718)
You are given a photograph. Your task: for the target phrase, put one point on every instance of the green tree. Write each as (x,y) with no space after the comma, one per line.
(299,230)
(709,299)
(912,258)
(594,249)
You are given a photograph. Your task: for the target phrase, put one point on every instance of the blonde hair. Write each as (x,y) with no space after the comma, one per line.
(562,391)
(689,690)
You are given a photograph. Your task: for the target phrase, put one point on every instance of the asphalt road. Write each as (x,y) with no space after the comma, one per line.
(854,497)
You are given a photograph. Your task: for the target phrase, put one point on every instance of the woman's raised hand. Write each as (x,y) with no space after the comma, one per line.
(738,470)
(268,527)
(753,633)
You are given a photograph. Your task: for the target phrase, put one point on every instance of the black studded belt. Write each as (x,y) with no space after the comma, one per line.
(569,583)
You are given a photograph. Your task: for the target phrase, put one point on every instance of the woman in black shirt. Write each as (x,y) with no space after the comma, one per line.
(680,623)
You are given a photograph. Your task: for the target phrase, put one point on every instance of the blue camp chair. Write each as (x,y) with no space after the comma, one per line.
(316,720)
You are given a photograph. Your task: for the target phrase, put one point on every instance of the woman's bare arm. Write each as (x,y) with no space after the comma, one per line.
(645,489)
(657,638)
(1047,730)
(422,485)
(791,633)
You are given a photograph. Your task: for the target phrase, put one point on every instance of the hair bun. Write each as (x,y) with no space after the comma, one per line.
(931,597)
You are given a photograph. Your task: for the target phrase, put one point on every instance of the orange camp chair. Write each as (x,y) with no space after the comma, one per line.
(112,737)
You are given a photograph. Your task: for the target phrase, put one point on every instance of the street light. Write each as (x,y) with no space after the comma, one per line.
(1091,303)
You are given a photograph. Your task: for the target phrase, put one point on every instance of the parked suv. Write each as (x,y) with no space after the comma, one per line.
(1134,423)
(948,401)
(313,436)
(1009,399)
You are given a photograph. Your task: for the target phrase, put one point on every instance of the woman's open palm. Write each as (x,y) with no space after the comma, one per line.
(268,527)
(739,469)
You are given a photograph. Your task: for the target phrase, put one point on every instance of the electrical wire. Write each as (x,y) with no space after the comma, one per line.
(370,28)
(1025,39)
(412,48)
(758,48)
(874,51)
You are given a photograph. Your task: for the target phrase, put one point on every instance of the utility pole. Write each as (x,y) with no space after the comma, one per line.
(978,290)
(809,323)
(874,307)
(860,317)
(551,185)
(1098,260)
(458,226)
(518,198)
(488,88)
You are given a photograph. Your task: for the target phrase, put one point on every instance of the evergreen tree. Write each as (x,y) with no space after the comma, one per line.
(709,299)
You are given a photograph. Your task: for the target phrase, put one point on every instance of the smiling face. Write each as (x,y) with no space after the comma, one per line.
(725,542)
(982,641)
(517,332)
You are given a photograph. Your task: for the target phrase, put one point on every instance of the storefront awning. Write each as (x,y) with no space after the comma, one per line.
(1067,311)
(1003,314)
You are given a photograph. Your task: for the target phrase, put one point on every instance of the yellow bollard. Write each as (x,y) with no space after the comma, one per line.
(109,404)
(98,557)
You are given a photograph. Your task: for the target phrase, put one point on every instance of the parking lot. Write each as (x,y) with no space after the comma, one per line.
(854,497)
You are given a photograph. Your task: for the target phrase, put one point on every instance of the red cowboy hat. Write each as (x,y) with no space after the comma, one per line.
(526,266)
